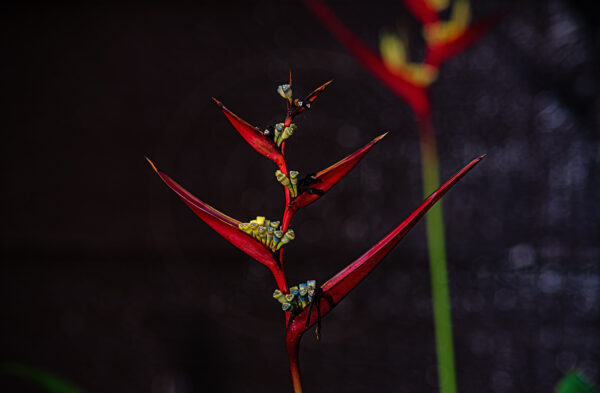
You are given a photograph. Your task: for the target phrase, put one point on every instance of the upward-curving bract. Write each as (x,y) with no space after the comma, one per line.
(310,99)
(342,283)
(227,227)
(328,177)
(254,136)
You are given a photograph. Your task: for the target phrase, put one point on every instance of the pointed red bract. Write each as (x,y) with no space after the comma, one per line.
(327,178)
(422,11)
(416,96)
(227,227)
(254,136)
(438,54)
(342,283)
(310,98)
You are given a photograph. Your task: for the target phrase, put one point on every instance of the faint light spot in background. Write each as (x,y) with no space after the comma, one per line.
(163,384)
(474,302)
(312,231)
(256,273)
(432,375)
(391,119)
(348,136)
(550,114)
(565,361)
(398,283)
(370,178)
(253,199)
(501,381)
(505,299)
(550,281)
(548,337)
(356,227)
(481,342)
(590,292)
(521,255)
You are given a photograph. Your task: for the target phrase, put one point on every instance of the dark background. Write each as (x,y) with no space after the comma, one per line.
(109,281)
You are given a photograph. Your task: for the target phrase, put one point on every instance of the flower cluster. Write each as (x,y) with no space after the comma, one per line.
(267,232)
(290,183)
(298,298)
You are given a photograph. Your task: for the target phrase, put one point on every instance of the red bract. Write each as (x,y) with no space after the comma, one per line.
(309,99)
(438,54)
(422,11)
(254,136)
(327,178)
(342,283)
(226,227)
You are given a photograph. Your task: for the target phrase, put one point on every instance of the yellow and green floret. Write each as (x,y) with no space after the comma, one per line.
(281,132)
(267,232)
(298,298)
(290,182)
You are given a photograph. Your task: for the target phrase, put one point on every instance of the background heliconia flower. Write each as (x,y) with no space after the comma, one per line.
(412,83)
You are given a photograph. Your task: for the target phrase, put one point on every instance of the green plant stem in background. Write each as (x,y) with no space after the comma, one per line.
(436,246)
(574,382)
(46,380)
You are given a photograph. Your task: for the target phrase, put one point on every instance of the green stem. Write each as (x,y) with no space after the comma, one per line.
(47,381)
(436,246)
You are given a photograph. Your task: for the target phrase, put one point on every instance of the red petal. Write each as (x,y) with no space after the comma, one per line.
(310,98)
(226,227)
(422,11)
(438,54)
(416,96)
(327,178)
(342,283)
(254,136)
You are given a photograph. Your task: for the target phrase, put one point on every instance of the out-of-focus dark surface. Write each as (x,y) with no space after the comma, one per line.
(108,280)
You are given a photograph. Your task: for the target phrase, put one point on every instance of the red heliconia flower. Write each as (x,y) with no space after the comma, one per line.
(327,178)
(227,227)
(308,190)
(334,290)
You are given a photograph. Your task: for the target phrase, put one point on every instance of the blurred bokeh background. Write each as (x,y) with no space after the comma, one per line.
(110,281)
